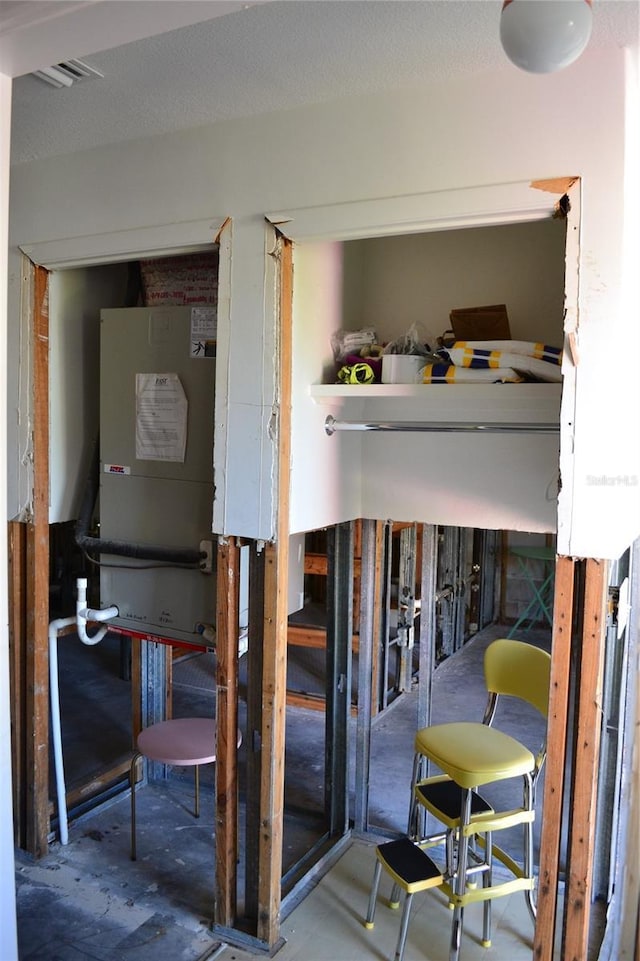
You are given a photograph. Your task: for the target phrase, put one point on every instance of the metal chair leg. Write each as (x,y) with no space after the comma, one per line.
(529,789)
(394,898)
(132,784)
(371,909)
(413,827)
(487,881)
(460,883)
(404,927)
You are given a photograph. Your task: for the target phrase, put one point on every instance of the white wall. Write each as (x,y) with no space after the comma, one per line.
(8,935)
(75,300)
(325,472)
(499,481)
(420,278)
(491,130)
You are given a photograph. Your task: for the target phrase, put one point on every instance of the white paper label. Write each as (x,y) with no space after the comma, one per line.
(203,332)
(161,418)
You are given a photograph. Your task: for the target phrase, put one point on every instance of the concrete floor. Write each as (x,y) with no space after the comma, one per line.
(88,900)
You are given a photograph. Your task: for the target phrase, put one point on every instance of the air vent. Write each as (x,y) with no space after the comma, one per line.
(67,73)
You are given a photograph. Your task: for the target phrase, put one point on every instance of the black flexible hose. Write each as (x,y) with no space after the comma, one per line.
(169,555)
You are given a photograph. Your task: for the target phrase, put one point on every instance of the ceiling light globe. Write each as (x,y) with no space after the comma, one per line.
(542,36)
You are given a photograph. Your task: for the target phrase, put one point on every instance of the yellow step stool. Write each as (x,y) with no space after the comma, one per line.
(412,871)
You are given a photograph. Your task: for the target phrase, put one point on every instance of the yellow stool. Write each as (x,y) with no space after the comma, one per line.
(512,669)
(412,871)
(473,754)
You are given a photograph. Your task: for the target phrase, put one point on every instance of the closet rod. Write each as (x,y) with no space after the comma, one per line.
(331,425)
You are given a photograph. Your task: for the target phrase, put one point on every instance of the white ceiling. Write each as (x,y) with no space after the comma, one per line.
(192,62)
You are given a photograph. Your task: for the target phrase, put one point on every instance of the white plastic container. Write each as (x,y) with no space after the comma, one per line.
(401,368)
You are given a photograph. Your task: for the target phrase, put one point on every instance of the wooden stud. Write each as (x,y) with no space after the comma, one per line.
(556,759)
(254,658)
(98,784)
(316,637)
(227,638)
(275,636)
(17,632)
(37,572)
(582,826)
(273,742)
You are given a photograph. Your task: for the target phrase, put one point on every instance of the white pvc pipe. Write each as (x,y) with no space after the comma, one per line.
(83,614)
(54,698)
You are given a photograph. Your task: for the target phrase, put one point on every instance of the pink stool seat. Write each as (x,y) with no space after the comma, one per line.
(180,741)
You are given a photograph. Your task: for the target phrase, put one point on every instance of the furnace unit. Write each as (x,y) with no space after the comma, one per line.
(157,388)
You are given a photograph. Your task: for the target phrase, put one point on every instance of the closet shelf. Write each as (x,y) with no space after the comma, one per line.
(507,403)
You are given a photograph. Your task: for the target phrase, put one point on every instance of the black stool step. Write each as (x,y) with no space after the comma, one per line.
(409,866)
(446,796)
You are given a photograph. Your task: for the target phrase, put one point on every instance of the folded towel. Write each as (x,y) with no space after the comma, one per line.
(481,359)
(450,374)
(526,347)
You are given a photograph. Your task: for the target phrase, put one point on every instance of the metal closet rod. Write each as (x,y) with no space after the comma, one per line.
(331,425)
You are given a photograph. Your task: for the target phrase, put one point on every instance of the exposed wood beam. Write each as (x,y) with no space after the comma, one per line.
(299,636)
(254,731)
(227,621)
(274,678)
(17,634)
(317,564)
(37,571)
(588,725)
(556,759)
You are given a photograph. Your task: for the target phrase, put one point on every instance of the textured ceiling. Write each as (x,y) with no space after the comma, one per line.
(271,56)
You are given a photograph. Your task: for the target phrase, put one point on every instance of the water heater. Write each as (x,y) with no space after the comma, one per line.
(157,388)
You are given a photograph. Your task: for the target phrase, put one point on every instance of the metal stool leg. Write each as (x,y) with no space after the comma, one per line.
(371,909)
(197,784)
(404,927)
(528,845)
(460,883)
(132,784)
(415,815)
(487,881)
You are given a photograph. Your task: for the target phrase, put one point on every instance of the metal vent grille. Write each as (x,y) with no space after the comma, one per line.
(67,73)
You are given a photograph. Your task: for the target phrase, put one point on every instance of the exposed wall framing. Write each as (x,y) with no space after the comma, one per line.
(226,774)
(274,667)
(17,633)
(37,578)
(579,609)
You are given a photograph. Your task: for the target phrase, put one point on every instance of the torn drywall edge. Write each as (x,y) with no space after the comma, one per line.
(223,226)
(555,185)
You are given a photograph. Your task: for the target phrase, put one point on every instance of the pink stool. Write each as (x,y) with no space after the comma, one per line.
(184,742)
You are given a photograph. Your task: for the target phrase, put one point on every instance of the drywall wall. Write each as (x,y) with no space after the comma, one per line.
(419,278)
(75,300)
(570,123)
(326,473)
(499,481)
(8,935)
